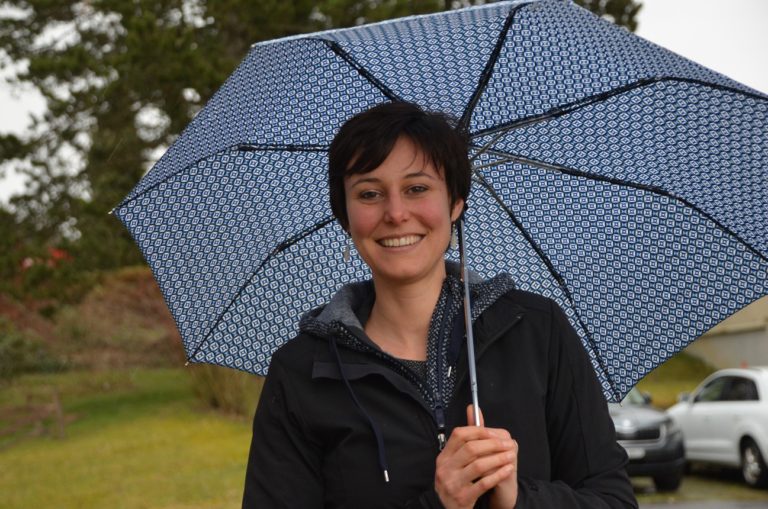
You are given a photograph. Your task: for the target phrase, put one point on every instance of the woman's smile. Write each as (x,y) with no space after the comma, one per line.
(402,241)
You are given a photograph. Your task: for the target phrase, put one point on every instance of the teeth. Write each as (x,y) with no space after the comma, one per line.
(401,241)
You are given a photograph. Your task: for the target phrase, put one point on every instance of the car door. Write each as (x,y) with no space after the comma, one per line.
(702,419)
(744,410)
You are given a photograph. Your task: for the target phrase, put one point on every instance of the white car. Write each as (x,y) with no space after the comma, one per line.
(725,421)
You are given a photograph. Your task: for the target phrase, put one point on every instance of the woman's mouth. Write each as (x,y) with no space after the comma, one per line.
(405,240)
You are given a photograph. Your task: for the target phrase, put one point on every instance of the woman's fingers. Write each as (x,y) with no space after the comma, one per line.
(476,449)
(475,459)
(460,436)
(493,478)
(471,416)
(475,453)
(462,489)
(485,465)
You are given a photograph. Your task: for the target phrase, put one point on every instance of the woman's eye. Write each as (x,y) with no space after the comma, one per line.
(368,195)
(417,189)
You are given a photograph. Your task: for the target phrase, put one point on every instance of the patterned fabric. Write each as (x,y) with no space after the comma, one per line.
(436,376)
(621,180)
(440,379)
(418,367)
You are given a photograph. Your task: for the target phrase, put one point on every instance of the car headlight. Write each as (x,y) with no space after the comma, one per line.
(669,428)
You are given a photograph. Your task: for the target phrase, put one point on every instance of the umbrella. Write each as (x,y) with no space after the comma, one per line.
(624,181)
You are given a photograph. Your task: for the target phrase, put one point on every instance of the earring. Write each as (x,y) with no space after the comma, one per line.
(345,255)
(454,237)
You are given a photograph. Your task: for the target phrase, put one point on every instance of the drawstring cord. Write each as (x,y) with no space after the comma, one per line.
(371,422)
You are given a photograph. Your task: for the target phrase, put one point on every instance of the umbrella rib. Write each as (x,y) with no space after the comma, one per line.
(507,157)
(244,147)
(478,177)
(336,48)
(277,250)
(587,101)
(275,147)
(485,77)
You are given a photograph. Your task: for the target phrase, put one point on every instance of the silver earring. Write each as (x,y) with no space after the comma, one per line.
(454,237)
(345,252)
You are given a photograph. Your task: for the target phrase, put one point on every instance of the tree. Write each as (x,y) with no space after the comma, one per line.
(123,77)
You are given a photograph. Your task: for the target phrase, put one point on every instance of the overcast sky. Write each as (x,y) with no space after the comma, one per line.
(730,37)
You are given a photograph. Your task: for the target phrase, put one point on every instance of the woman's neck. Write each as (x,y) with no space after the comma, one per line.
(400,317)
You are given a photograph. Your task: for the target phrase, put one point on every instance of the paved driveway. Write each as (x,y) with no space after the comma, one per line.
(718,504)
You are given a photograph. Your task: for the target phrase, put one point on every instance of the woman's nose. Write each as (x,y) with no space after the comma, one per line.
(396,210)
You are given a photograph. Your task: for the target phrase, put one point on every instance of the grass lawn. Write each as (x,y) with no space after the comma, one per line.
(139,439)
(681,373)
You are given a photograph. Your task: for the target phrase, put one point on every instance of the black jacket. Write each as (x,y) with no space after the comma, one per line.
(313,446)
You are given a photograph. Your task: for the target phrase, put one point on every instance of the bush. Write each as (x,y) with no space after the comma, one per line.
(22,352)
(226,389)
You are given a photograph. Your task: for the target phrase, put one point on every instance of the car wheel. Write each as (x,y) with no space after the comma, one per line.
(670,482)
(753,468)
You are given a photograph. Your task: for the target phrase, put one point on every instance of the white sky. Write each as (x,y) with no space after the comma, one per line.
(730,37)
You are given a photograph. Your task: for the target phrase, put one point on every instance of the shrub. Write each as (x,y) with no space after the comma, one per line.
(22,352)
(226,389)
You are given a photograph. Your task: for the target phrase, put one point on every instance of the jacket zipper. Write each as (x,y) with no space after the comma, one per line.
(439,412)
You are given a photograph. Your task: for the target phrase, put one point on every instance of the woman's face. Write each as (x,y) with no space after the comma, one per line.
(400,216)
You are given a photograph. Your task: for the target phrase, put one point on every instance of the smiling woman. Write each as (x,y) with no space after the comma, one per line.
(368,406)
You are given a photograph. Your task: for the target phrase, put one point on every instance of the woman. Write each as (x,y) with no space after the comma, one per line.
(368,406)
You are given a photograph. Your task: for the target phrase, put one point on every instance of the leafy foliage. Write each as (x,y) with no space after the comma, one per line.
(121,79)
(22,353)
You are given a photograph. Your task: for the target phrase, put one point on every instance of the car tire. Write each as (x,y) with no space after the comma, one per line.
(753,467)
(669,482)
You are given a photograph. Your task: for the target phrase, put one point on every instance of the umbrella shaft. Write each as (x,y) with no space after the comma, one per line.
(468,325)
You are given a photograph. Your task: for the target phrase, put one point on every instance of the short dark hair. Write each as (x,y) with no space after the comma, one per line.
(365,141)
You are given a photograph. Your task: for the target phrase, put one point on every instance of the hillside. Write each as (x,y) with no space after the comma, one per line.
(122,321)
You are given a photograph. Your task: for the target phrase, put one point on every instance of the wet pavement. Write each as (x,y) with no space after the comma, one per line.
(715,504)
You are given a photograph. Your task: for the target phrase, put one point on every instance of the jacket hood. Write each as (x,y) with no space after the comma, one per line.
(352,304)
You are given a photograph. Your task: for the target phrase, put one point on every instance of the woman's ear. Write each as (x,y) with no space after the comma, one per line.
(456,209)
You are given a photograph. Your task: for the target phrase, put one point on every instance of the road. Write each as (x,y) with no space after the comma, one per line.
(702,489)
(718,504)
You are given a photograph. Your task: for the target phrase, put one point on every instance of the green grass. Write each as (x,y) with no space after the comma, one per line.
(681,373)
(140,440)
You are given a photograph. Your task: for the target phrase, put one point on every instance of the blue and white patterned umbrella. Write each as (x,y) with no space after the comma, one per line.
(624,181)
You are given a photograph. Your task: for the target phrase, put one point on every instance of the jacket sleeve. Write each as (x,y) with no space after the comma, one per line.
(284,462)
(588,465)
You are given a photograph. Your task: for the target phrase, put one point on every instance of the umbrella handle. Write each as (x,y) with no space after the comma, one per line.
(468,324)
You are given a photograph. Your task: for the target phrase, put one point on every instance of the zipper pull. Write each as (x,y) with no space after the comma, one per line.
(440,420)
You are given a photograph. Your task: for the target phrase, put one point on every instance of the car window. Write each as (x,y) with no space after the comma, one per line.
(634,397)
(741,389)
(713,391)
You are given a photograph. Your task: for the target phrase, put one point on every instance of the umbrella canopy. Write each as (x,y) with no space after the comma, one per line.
(624,181)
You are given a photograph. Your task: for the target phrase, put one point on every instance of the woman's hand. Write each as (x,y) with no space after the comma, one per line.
(476,459)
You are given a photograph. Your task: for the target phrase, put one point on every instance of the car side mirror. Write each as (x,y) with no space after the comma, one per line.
(684,397)
(646,397)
